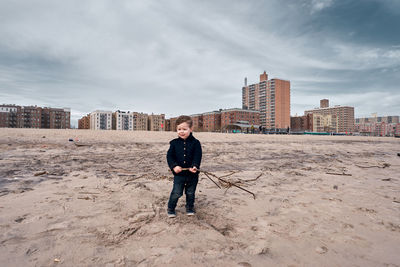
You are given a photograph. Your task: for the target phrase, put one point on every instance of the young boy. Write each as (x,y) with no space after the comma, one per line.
(184,158)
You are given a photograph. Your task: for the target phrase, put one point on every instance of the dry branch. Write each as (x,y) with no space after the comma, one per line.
(334,173)
(251,180)
(226,183)
(40,173)
(80,144)
(384,165)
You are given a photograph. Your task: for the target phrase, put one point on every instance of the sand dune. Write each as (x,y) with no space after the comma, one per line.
(320,201)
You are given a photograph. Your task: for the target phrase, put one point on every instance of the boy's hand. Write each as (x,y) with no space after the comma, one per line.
(193,170)
(177,169)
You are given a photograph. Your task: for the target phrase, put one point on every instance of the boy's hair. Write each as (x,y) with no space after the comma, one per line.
(184,118)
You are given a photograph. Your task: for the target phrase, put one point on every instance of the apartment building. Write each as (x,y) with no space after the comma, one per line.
(378,126)
(101,120)
(324,123)
(122,120)
(84,122)
(10,116)
(55,118)
(344,114)
(156,122)
(140,121)
(301,123)
(172,124)
(168,125)
(386,119)
(234,115)
(34,117)
(212,121)
(197,122)
(272,99)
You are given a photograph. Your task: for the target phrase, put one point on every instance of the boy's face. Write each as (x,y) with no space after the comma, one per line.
(183,130)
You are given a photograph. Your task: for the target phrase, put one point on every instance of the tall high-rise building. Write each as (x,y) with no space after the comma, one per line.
(272,99)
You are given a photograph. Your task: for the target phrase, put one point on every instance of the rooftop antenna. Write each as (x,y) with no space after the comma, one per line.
(245,81)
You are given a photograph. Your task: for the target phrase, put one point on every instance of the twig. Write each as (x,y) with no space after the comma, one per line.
(40,173)
(228,183)
(251,180)
(206,174)
(374,166)
(334,173)
(238,187)
(233,172)
(80,144)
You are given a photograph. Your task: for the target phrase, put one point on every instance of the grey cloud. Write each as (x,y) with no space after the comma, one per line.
(189,56)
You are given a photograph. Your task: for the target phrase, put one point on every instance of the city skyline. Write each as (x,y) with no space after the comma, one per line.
(162,57)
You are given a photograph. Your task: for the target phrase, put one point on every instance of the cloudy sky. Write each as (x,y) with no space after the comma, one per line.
(186,56)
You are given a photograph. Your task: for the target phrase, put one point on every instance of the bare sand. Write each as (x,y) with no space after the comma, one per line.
(320,201)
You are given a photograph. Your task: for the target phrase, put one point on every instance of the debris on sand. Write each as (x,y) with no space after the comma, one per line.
(40,173)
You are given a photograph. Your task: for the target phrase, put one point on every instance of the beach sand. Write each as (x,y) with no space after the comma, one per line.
(320,201)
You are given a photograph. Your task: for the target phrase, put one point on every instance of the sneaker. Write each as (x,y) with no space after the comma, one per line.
(190,212)
(171,214)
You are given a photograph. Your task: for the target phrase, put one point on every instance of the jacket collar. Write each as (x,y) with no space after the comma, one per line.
(190,137)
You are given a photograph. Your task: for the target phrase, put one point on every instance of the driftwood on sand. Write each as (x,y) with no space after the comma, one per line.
(224,182)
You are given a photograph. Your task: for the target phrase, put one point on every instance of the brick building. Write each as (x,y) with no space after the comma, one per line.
(55,118)
(301,123)
(212,121)
(34,117)
(10,116)
(197,122)
(272,99)
(168,125)
(84,122)
(234,115)
(172,124)
(344,114)
(378,126)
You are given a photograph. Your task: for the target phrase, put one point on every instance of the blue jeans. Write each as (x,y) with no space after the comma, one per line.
(188,183)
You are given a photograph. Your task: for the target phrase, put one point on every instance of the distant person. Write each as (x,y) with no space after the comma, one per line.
(184,158)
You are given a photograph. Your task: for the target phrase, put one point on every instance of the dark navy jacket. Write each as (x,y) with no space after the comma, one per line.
(185,153)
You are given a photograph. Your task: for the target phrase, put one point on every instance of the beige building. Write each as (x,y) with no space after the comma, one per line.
(325,123)
(344,116)
(122,120)
(140,121)
(272,99)
(101,120)
(156,122)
